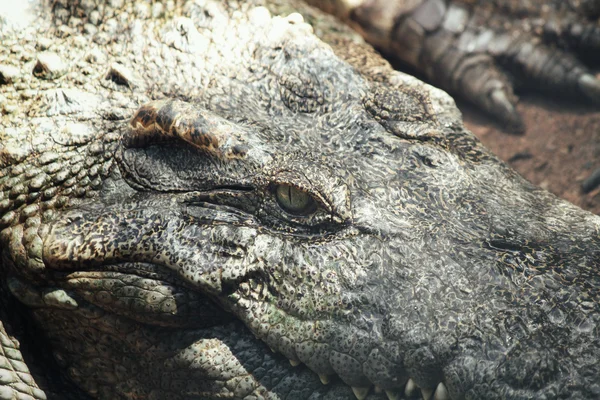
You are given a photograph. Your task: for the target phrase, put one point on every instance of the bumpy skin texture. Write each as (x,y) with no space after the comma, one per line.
(480,50)
(147,252)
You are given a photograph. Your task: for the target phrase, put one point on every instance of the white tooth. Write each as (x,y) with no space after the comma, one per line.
(360,392)
(441,393)
(324,379)
(410,388)
(392,395)
(426,393)
(294,363)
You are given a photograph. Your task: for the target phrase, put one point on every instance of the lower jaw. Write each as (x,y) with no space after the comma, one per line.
(403,388)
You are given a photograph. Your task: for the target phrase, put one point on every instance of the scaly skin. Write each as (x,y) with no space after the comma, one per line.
(480,50)
(184,186)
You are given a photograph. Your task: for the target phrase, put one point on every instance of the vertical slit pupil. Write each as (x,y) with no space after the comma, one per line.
(294,200)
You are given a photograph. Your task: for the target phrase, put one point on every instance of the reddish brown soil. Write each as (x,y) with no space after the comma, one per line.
(560,148)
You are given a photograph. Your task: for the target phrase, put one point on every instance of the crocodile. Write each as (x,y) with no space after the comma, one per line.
(482,51)
(243,200)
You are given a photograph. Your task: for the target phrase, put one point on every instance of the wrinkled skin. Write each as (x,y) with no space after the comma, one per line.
(149,250)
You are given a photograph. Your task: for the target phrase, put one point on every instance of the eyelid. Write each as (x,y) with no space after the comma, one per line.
(328,190)
(300,182)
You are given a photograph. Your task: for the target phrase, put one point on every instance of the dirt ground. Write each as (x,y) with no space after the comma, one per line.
(560,149)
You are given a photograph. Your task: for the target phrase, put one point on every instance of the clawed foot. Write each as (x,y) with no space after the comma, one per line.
(483,50)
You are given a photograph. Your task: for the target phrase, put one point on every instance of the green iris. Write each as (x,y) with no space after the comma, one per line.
(294,200)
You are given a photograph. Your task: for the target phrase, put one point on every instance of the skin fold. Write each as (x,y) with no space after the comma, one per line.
(243,200)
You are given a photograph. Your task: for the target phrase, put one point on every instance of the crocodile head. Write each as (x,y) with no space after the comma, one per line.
(302,200)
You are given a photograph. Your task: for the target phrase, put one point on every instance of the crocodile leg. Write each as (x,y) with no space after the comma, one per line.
(483,51)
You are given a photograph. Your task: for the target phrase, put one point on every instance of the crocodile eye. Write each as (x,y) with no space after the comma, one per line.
(294,200)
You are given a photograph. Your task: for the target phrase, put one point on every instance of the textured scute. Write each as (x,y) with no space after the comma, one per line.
(149,252)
